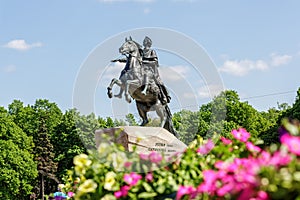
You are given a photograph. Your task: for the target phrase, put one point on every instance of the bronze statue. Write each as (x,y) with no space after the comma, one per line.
(140,80)
(150,63)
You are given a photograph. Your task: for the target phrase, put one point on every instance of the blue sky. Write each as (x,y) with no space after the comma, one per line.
(255,45)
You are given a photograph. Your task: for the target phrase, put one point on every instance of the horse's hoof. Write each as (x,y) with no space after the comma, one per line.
(128,99)
(144,123)
(109,92)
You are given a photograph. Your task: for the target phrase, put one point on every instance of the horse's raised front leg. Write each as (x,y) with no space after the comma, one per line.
(120,83)
(109,88)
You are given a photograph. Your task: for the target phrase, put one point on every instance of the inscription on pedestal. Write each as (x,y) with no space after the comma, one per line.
(145,139)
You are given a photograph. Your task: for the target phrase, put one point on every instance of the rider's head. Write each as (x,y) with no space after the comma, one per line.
(147,41)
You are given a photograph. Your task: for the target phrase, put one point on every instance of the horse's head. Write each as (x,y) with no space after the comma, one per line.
(129,47)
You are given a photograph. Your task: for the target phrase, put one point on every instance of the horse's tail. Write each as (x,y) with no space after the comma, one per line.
(169,124)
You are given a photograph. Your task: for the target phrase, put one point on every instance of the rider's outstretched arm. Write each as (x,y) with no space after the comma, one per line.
(123,60)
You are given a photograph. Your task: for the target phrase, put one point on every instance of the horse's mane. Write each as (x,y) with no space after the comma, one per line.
(140,48)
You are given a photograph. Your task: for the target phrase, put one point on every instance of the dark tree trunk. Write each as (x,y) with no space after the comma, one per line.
(42,186)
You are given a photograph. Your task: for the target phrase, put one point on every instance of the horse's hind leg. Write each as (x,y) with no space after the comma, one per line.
(160,111)
(142,109)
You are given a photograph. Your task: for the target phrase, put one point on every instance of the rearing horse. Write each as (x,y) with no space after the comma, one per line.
(131,82)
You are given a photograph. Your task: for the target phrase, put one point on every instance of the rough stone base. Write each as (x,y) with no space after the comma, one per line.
(146,139)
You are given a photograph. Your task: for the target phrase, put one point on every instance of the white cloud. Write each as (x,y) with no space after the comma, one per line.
(9,68)
(21,45)
(242,67)
(173,73)
(189,95)
(113,71)
(209,91)
(137,1)
(277,60)
(167,73)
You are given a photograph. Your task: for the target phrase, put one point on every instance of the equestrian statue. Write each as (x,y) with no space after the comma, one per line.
(140,80)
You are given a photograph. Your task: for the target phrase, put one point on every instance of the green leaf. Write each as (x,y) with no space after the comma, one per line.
(147,195)
(147,187)
(161,189)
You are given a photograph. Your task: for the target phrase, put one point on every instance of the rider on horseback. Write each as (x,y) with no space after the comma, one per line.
(150,65)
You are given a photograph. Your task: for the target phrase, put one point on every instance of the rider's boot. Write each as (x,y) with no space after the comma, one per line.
(144,92)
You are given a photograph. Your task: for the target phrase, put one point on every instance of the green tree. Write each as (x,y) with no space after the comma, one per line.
(39,122)
(17,167)
(284,111)
(67,142)
(131,120)
(45,157)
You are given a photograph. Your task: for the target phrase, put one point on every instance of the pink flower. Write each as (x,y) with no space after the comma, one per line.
(155,157)
(118,194)
(279,159)
(220,164)
(225,141)
(209,183)
(251,147)
(264,157)
(225,189)
(292,143)
(132,178)
(206,148)
(149,177)
(246,193)
(71,194)
(241,134)
(127,164)
(122,192)
(186,190)
(144,156)
(262,195)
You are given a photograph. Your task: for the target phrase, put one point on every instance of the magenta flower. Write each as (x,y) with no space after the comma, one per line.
(132,178)
(241,134)
(292,143)
(279,159)
(251,147)
(144,156)
(225,140)
(225,189)
(127,164)
(186,190)
(122,192)
(220,164)
(209,183)
(262,195)
(155,157)
(149,177)
(118,194)
(71,194)
(264,157)
(247,193)
(206,148)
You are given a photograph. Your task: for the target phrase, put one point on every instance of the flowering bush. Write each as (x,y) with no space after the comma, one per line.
(217,168)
